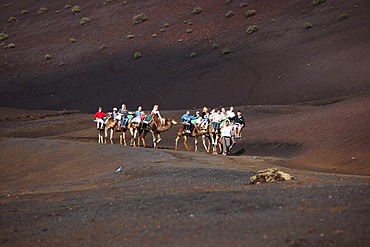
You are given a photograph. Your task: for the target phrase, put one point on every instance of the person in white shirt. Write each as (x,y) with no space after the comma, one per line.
(230,114)
(226,134)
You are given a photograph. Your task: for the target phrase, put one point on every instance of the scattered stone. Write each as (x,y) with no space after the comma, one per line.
(42,10)
(270,175)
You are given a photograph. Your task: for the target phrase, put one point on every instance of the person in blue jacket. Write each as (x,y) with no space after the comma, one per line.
(186,118)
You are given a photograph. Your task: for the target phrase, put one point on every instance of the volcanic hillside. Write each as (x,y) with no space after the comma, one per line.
(52,57)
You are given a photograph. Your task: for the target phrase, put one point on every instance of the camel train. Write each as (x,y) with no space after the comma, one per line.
(138,132)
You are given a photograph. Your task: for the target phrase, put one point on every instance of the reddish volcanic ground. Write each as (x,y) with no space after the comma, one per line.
(305,95)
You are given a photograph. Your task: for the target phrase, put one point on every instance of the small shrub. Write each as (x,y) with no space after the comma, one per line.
(317,2)
(130,36)
(189,30)
(42,10)
(11,45)
(193,54)
(229,14)
(162,30)
(67,6)
(137,55)
(154,35)
(72,40)
(228,1)
(2,44)
(250,12)
(226,51)
(197,10)
(190,23)
(84,20)
(166,24)
(252,29)
(308,25)
(242,5)
(76,9)
(24,12)
(139,18)
(3,36)
(47,56)
(12,18)
(215,46)
(58,11)
(61,63)
(343,16)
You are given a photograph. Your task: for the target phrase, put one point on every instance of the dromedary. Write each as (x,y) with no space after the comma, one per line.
(196,132)
(155,127)
(111,126)
(134,128)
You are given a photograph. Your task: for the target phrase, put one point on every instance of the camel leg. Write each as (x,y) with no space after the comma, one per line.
(176,142)
(204,143)
(132,137)
(196,144)
(124,138)
(138,139)
(111,136)
(154,140)
(214,144)
(100,138)
(186,142)
(135,136)
(105,135)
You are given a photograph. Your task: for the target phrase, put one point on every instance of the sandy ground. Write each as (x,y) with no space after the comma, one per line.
(59,187)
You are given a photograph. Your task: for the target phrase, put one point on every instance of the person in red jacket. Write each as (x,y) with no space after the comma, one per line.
(99,115)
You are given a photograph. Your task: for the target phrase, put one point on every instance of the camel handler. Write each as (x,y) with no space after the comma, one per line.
(99,118)
(226,135)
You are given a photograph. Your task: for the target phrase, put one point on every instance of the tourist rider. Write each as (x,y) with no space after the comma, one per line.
(155,111)
(123,112)
(99,115)
(216,119)
(186,118)
(239,123)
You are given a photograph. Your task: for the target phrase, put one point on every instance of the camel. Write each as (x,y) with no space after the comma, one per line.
(111,126)
(155,127)
(134,128)
(196,132)
(215,138)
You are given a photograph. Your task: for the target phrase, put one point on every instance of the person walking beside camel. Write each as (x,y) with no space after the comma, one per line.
(226,135)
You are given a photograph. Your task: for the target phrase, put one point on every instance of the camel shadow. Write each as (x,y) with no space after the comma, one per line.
(265,148)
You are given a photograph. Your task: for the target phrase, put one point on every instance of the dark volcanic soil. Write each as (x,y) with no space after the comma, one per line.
(61,188)
(282,63)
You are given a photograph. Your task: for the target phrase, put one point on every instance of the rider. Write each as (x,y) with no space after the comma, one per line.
(198,119)
(138,115)
(114,113)
(239,123)
(155,111)
(231,114)
(205,118)
(186,118)
(99,115)
(123,112)
(216,119)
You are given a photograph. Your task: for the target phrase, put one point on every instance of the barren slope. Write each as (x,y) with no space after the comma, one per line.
(282,63)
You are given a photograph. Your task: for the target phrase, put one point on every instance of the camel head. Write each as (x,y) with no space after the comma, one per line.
(171,121)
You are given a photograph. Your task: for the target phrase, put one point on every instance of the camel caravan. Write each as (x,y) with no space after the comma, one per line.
(217,129)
